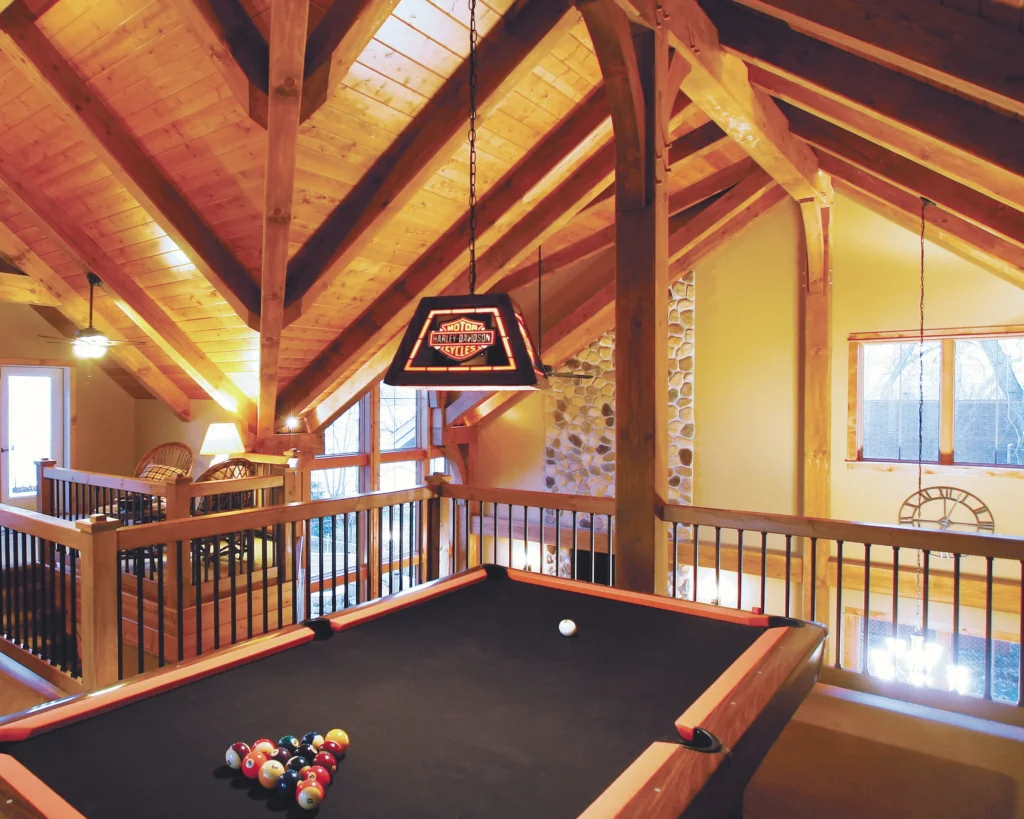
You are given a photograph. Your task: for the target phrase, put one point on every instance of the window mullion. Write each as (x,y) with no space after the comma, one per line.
(946,402)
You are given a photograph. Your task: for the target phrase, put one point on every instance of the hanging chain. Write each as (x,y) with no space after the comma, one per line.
(540,308)
(920,404)
(472,146)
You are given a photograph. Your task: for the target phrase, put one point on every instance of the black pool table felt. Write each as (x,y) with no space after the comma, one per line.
(470,704)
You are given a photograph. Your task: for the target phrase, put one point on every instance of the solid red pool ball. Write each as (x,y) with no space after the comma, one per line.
(270,772)
(317,772)
(264,746)
(309,794)
(327,760)
(252,763)
(235,754)
(333,748)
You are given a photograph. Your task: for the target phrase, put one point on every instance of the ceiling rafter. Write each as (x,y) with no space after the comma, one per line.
(102,132)
(599,240)
(944,228)
(920,37)
(76,310)
(231,39)
(506,55)
(568,334)
(717,82)
(18,289)
(976,146)
(81,249)
(288,19)
(966,203)
(338,39)
(444,260)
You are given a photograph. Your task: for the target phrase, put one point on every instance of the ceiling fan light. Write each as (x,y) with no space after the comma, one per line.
(89,348)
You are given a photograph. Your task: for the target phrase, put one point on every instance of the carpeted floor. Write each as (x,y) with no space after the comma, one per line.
(846,759)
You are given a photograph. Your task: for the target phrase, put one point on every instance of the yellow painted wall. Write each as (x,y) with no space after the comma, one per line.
(510,449)
(875,287)
(156,424)
(105,412)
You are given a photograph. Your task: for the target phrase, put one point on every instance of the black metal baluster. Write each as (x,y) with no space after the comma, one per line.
(675,559)
(139,611)
(718,565)
(696,561)
(380,549)
(345,547)
(611,552)
(867,610)
(789,573)
(896,592)
(814,578)
(956,612)
(51,602)
(77,665)
(296,564)
(925,593)
(764,572)
(33,590)
(480,529)
(989,567)
(278,535)
(250,557)
(320,568)
(575,552)
(558,542)
(359,548)
(120,622)
(20,595)
(159,549)
(839,604)
(64,609)
(401,542)
(334,564)
(593,551)
(233,583)
(180,602)
(214,547)
(197,581)
(739,569)
(469,514)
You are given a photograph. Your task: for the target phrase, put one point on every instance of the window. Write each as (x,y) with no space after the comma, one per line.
(988,416)
(32,426)
(891,391)
(343,436)
(973,398)
(399,418)
(400,475)
(342,482)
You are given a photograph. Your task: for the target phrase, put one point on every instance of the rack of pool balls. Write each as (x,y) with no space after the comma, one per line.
(292,768)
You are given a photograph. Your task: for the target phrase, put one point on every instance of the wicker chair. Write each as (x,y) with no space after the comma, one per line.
(228,470)
(175,455)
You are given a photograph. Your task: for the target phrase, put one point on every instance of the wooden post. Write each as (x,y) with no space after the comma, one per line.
(437,525)
(99,601)
(641,295)
(44,494)
(946,404)
(816,401)
(179,506)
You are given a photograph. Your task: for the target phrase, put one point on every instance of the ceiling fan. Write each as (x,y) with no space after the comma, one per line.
(548,371)
(89,342)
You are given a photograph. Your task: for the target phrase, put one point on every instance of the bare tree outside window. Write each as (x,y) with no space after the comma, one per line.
(891,397)
(989,401)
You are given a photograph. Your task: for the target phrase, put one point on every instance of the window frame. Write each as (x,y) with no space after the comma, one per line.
(948,338)
(370,456)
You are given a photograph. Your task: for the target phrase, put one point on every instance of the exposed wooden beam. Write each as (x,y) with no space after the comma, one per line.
(506,55)
(437,267)
(918,37)
(695,142)
(102,132)
(965,202)
(970,143)
(17,289)
(76,309)
(718,83)
(944,228)
(288,20)
(605,237)
(338,39)
(81,249)
(610,33)
(230,38)
(570,333)
(815,380)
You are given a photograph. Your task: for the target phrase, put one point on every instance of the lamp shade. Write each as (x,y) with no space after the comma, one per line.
(222,439)
(467,343)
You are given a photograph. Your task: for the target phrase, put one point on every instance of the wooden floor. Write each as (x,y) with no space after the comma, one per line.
(851,756)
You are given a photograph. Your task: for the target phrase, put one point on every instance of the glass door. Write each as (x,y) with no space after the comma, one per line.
(31,428)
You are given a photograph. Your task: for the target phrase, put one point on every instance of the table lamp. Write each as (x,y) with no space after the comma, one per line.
(221,441)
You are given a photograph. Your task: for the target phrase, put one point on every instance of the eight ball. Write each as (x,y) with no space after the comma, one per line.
(307,752)
(297,763)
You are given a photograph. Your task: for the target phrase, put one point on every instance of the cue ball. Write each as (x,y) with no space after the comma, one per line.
(567,628)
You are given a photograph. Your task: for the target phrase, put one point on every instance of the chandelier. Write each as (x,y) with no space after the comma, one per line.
(916,664)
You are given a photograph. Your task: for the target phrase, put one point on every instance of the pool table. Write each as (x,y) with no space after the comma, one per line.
(462,699)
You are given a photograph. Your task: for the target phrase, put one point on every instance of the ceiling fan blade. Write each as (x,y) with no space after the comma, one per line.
(57,338)
(577,376)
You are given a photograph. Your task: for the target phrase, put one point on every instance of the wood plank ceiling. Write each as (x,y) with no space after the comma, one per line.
(134,134)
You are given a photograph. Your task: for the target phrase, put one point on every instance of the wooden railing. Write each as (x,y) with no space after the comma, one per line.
(73,494)
(147,594)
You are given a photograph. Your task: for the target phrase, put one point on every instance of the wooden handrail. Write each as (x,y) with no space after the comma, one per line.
(520,497)
(198,490)
(43,526)
(904,537)
(133,537)
(99,479)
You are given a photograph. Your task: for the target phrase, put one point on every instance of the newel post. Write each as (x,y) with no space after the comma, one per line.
(437,524)
(100,623)
(179,505)
(44,491)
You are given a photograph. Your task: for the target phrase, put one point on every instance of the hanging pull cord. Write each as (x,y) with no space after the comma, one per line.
(472,147)
(540,311)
